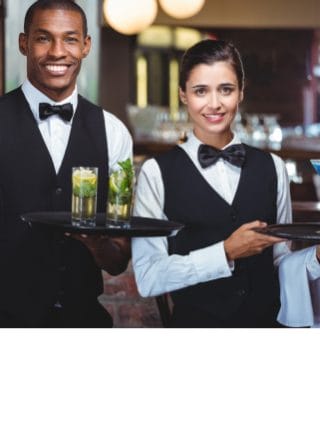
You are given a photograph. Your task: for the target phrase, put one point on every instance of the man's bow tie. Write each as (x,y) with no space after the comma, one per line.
(65,111)
(208,155)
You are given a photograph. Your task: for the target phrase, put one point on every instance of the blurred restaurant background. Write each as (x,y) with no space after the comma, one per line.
(132,71)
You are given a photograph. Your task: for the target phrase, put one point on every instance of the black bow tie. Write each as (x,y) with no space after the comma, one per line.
(208,155)
(65,111)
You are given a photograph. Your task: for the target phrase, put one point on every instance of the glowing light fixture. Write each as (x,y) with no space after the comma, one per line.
(156,35)
(181,9)
(128,16)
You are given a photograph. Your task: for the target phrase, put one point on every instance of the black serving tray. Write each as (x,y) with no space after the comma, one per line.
(294,231)
(137,227)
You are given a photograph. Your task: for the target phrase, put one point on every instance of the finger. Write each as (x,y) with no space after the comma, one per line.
(272,241)
(259,224)
(273,238)
(254,224)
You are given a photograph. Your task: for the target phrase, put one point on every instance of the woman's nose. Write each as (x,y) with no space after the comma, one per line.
(214,100)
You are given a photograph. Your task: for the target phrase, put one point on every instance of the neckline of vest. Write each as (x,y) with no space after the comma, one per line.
(197,172)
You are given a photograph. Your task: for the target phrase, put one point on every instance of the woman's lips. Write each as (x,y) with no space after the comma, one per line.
(214,118)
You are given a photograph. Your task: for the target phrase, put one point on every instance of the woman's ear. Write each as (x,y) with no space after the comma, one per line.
(241,96)
(182,96)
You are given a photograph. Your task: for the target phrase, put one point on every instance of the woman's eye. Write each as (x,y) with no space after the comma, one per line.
(226,90)
(201,91)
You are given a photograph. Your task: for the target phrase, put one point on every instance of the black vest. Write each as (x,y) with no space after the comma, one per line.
(208,218)
(37,264)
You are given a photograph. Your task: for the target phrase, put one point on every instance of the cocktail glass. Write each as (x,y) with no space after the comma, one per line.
(84,196)
(120,194)
(316,165)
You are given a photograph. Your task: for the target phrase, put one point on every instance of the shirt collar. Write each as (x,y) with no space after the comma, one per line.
(35,96)
(193,143)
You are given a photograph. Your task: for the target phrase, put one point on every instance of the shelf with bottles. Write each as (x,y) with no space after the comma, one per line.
(157,124)
(259,130)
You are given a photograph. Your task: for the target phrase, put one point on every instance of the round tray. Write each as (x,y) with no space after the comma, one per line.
(294,231)
(137,227)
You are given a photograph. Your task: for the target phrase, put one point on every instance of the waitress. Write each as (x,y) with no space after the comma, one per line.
(218,270)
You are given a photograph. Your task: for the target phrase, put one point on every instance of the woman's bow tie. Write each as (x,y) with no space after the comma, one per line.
(208,155)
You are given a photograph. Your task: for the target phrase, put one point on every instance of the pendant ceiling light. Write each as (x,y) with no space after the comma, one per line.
(130,16)
(181,9)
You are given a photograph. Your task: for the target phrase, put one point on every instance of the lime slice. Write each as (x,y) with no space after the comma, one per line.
(114,182)
(117,180)
(84,183)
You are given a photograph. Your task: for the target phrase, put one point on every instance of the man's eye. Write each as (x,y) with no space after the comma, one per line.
(42,38)
(71,40)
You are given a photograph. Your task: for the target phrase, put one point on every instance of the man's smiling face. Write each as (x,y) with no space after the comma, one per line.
(55,46)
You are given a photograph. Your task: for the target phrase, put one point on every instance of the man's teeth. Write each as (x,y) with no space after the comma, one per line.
(56,68)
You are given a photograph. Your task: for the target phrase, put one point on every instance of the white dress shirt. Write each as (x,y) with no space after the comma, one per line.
(158,272)
(56,132)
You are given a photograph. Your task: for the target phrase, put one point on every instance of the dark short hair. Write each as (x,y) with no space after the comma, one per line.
(208,52)
(54,5)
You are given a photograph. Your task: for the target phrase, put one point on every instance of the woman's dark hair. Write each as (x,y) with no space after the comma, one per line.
(208,52)
(54,5)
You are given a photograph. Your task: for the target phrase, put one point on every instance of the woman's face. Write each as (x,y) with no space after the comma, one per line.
(212,96)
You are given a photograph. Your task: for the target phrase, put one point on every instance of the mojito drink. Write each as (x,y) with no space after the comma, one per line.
(84,195)
(120,194)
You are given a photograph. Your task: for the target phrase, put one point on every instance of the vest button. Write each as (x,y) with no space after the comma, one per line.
(58,191)
(233,216)
(241,292)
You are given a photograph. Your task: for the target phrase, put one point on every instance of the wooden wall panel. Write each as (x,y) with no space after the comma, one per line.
(116,72)
(278,69)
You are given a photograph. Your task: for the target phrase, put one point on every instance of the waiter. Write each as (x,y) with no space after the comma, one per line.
(50,281)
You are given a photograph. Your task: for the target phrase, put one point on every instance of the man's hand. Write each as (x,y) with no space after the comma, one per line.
(246,242)
(110,254)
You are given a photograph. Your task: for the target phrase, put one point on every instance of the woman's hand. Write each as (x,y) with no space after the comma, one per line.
(246,242)
(110,254)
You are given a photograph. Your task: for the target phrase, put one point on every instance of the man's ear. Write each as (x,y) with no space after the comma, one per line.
(87,46)
(23,43)
(182,96)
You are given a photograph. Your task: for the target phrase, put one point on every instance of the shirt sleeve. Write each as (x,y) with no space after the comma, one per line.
(156,271)
(119,140)
(299,289)
(299,271)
